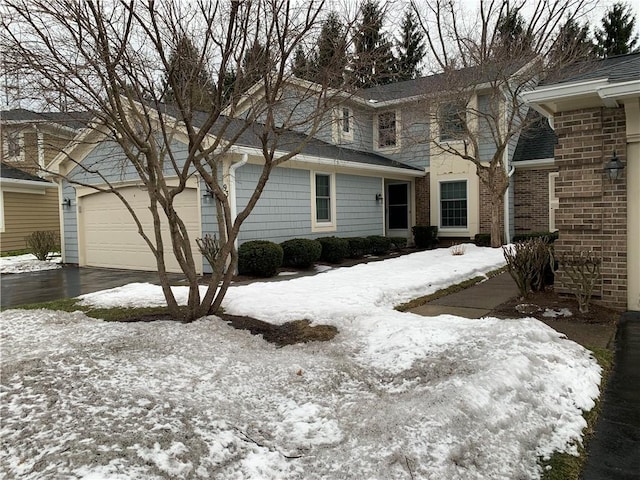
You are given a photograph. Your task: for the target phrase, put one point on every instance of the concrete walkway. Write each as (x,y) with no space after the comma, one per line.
(473,302)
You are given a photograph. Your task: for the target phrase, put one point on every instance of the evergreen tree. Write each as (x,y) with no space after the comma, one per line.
(301,67)
(411,48)
(616,35)
(330,60)
(512,37)
(187,79)
(255,65)
(573,42)
(373,61)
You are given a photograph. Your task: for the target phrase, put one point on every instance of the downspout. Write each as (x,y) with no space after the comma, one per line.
(507,227)
(233,204)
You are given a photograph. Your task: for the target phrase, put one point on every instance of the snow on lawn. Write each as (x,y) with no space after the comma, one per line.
(394,395)
(27,263)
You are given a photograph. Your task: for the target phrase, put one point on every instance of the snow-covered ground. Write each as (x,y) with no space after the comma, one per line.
(27,263)
(394,395)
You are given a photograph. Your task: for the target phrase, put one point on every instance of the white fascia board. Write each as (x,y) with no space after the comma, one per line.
(24,186)
(563,91)
(620,90)
(314,160)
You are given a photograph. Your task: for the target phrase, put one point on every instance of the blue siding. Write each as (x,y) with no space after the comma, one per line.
(359,214)
(486,143)
(284,210)
(70,221)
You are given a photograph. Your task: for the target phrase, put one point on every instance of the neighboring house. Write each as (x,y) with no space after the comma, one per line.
(28,203)
(596,115)
(28,142)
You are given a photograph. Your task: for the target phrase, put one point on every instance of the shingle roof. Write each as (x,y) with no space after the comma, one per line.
(621,68)
(439,82)
(7,171)
(537,141)
(74,120)
(289,140)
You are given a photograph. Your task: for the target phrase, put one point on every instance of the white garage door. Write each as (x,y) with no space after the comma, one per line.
(110,237)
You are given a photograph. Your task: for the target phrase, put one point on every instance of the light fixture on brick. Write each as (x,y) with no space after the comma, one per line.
(614,168)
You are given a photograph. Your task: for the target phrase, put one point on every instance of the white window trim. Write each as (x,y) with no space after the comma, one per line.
(340,135)
(323,226)
(376,133)
(452,229)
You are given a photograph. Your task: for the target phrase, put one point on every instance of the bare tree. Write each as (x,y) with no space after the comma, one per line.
(111,58)
(485,63)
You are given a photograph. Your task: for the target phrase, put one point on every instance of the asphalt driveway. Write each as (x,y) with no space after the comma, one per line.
(66,282)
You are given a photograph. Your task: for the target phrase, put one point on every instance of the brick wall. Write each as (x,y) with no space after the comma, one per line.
(531,200)
(592,212)
(423,214)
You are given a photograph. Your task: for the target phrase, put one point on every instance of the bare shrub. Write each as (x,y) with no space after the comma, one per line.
(526,262)
(583,268)
(42,244)
(209,246)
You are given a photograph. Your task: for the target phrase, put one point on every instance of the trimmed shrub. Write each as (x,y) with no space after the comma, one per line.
(549,236)
(379,244)
(482,239)
(42,244)
(358,247)
(259,257)
(301,252)
(398,243)
(425,236)
(334,249)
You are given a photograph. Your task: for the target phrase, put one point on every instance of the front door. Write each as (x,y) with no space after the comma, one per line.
(398,209)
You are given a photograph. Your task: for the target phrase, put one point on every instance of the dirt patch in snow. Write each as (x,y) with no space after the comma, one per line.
(299,331)
(549,304)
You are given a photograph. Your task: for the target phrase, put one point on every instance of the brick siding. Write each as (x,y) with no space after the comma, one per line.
(592,212)
(531,200)
(423,214)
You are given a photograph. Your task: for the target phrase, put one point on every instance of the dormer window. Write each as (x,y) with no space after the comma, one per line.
(387,130)
(13,147)
(346,120)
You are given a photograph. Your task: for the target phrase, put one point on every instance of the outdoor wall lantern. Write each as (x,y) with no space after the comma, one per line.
(614,168)
(66,202)
(208,193)
(378,197)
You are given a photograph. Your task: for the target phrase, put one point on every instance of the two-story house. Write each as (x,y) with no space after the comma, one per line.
(370,170)
(29,141)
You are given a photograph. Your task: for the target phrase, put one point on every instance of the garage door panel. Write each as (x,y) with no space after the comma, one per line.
(111,238)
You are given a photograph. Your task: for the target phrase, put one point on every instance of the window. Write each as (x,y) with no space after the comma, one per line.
(387,130)
(346,120)
(453,204)
(14,145)
(323,198)
(453,118)
(342,128)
